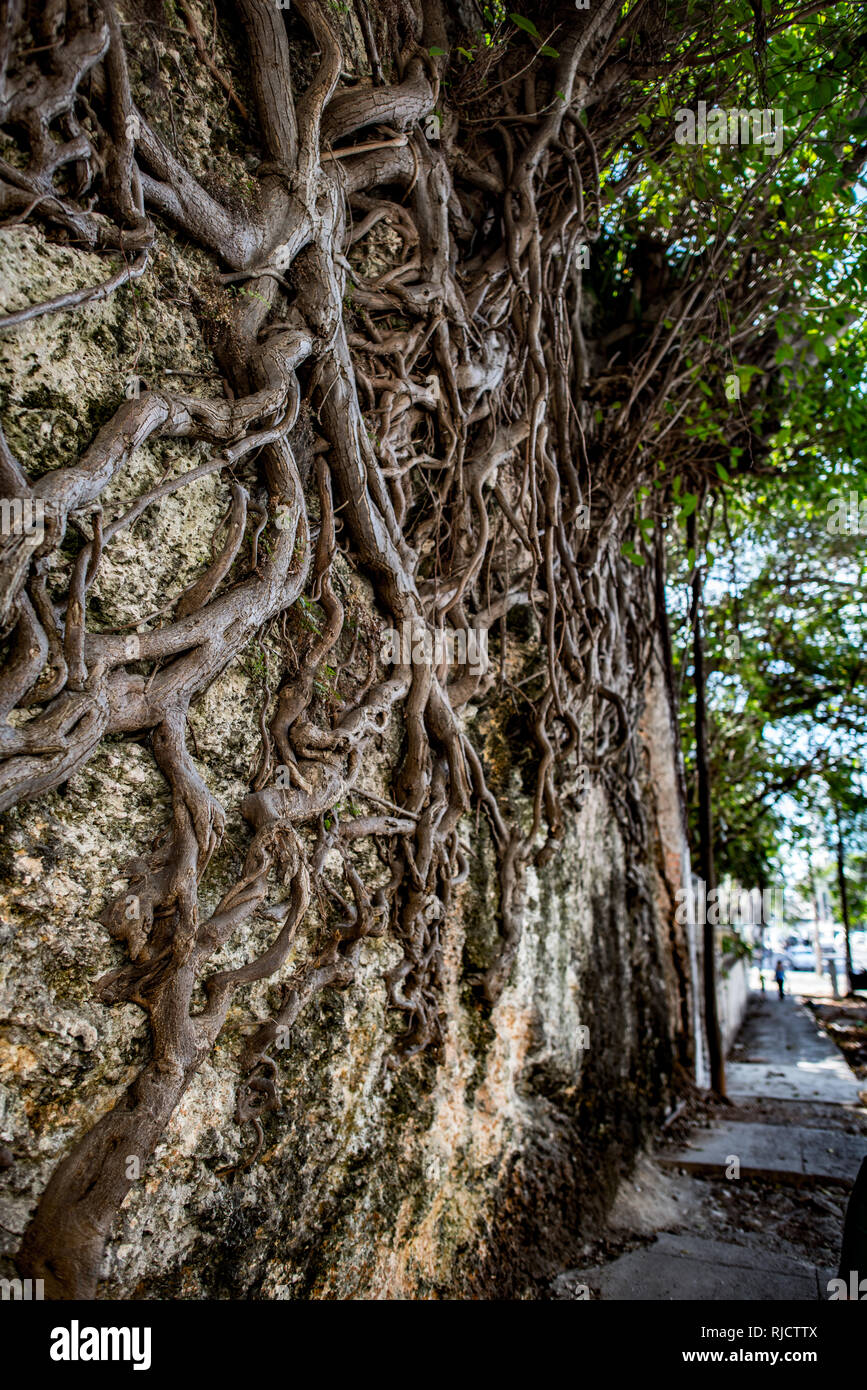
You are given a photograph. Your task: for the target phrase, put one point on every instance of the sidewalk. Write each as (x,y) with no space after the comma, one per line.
(749,1204)
(780,1053)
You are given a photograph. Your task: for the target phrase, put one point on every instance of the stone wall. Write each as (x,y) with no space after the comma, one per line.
(475,1171)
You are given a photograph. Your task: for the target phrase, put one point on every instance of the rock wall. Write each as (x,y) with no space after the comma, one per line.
(476,1171)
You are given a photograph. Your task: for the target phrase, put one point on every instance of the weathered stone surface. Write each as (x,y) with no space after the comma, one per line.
(474,1172)
(470,1172)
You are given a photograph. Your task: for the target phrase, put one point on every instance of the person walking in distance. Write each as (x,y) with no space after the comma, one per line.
(780,977)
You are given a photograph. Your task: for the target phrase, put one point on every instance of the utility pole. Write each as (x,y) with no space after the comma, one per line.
(814,896)
(844,896)
(705,827)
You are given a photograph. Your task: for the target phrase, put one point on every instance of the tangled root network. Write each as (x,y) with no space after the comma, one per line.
(431,428)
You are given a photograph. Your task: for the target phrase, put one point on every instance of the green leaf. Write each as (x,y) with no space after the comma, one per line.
(437,52)
(548,51)
(632,554)
(723,473)
(526,24)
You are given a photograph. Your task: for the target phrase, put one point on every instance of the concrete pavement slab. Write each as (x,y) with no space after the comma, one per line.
(790,1152)
(828,1153)
(681,1267)
(761,1150)
(828,1080)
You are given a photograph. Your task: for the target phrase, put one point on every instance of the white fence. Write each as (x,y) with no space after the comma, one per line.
(732,990)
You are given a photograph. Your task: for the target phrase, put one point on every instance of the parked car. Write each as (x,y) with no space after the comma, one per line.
(802,957)
(858,943)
